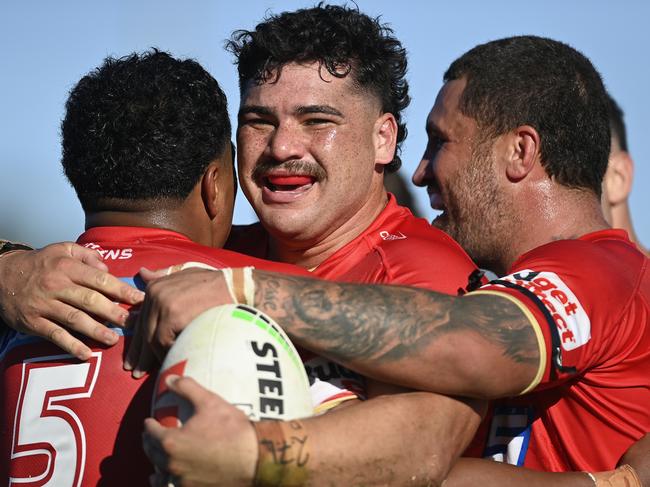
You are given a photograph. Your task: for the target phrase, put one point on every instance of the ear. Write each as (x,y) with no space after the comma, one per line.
(524,152)
(618,178)
(385,138)
(210,190)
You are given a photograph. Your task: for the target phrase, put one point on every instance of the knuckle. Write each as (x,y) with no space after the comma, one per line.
(88,298)
(49,282)
(61,264)
(168,444)
(72,317)
(166,339)
(101,278)
(55,334)
(173,308)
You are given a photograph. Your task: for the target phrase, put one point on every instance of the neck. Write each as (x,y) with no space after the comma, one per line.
(177,217)
(560,214)
(622,218)
(311,253)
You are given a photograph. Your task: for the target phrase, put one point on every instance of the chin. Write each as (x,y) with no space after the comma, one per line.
(286,224)
(441,222)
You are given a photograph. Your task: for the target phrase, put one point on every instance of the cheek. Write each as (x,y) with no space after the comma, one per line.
(250,146)
(327,140)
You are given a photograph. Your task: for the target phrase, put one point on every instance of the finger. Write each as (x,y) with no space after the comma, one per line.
(152,438)
(62,339)
(146,361)
(88,256)
(92,302)
(189,389)
(81,323)
(133,354)
(107,284)
(149,275)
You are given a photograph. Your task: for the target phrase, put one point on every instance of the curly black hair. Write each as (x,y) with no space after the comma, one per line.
(529,80)
(343,40)
(142,127)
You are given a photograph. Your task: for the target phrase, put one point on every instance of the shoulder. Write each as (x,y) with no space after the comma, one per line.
(415,253)
(589,263)
(237,259)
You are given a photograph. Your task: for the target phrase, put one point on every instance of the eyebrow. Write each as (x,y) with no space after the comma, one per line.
(307,109)
(258,109)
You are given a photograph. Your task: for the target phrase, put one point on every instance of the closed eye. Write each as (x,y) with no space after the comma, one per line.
(435,144)
(317,121)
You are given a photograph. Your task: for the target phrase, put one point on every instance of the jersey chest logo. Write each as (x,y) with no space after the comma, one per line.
(385,235)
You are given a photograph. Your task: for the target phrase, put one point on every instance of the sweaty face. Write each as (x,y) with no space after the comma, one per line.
(306,152)
(459,171)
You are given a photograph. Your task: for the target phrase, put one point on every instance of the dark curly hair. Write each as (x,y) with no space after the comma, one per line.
(343,40)
(141,127)
(548,85)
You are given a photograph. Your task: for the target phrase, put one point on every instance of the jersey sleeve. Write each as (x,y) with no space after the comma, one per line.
(570,312)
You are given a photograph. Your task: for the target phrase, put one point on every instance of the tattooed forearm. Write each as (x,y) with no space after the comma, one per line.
(379,325)
(283,453)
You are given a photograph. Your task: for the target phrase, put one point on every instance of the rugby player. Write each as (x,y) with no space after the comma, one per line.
(146,145)
(518,146)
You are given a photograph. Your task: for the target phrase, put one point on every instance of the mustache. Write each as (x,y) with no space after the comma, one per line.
(289,167)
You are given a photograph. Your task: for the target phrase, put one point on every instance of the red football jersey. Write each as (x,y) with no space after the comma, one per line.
(397,248)
(67,422)
(589,302)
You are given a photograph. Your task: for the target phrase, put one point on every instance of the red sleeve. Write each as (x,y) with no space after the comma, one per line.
(576,316)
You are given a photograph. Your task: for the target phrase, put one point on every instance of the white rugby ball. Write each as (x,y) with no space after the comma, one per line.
(241,354)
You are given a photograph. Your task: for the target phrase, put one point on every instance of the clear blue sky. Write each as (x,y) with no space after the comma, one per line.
(47,46)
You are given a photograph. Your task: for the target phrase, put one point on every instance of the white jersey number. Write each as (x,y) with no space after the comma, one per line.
(49,442)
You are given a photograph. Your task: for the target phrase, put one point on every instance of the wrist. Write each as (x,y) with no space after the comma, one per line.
(624,476)
(241,285)
(7,247)
(283,454)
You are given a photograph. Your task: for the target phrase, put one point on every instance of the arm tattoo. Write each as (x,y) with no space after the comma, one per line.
(387,323)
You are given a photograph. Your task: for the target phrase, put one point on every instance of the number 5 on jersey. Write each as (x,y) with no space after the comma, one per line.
(49,442)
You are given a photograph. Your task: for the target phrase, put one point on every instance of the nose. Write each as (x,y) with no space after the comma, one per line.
(424,172)
(285,144)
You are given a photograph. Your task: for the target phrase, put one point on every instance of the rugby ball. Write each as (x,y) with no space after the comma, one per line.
(241,354)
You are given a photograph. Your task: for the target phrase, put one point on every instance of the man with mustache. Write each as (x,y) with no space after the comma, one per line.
(518,146)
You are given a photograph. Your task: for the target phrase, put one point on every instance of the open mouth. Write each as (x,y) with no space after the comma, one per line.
(288,183)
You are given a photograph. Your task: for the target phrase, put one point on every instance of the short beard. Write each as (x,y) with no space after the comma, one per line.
(477,217)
